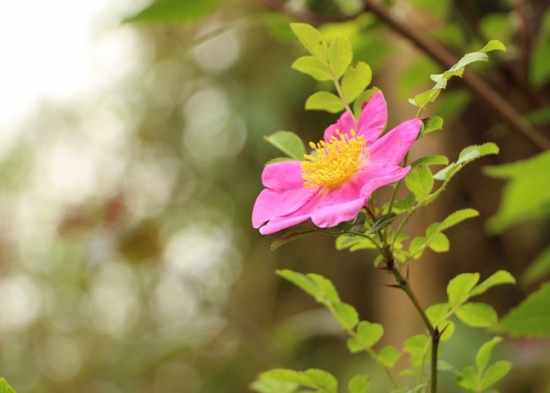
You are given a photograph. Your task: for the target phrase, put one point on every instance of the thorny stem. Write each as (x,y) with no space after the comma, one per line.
(441,55)
(405,286)
(403,283)
(483,91)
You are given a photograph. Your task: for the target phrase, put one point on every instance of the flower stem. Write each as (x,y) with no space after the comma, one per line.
(405,286)
(346,105)
(435,334)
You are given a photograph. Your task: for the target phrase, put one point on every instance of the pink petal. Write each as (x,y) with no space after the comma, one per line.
(392,147)
(285,193)
(373,118)
(344,125)
(337,205)
(283,175)
(374,178)
(331,215)
(271,204)
(279,223)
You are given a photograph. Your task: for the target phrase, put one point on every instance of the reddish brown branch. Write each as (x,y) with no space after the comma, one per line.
(485,93)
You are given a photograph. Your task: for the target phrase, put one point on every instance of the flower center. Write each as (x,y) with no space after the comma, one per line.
(335,162)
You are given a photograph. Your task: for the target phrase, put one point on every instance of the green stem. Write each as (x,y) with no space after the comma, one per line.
(346,105)
(435,344)
(405,286)
(420,377)
(380,249)
(370,351)
(374,355)
(392,201)
(434,332)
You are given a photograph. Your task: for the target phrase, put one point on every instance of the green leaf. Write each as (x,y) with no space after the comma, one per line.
(359,384)
(468,59)
(312,66)
(439,242)
(420,182)
(416,389)
(404,204)
(431,160)
(531,318)
(272,386)
(5,387)
(353,243)
(292,235)
(484,354)
(526,195)
(416,346)
(495,373)
(339,55)
(467,155)
(382,222)
(475,151)
(369,333)
(322,379)
(432,229)
(302,281)
(323,100)
(443,366)
(448,329)
(460,286)
(499,278)
(346,315)
(433,123)
(311,39)
(326,287)
(477,314)
(355,80)
(493,45)
(436,312)
(457,217)
(416,247)
(421,100)
(468,379)
(538,268)
(174,11)
(289,143)
(407,372)
(354,346)
(389,356)
(282,374)
(425,98)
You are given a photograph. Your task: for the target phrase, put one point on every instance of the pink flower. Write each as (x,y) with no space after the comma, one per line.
(334,185)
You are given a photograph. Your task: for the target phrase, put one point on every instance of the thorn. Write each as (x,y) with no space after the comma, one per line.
(438,333)
(385,266)
(398,286)
(443,330)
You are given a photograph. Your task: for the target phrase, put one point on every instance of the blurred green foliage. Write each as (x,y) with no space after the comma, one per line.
(128,259)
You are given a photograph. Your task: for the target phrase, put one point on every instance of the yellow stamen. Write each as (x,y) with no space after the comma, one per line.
(335,162)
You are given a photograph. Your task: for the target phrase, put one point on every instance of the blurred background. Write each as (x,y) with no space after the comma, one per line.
(131,156)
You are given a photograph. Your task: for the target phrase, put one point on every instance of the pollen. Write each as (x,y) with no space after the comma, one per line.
(335,162)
